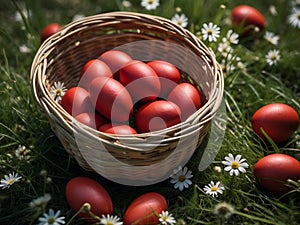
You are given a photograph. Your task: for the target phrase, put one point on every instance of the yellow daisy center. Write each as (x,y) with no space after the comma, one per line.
(181,178)
(274,57)
(58,92)
(51,220)
(11,181)
(24,152)
(149,2)
(164,218)
(235,165)
(109,223)
(214,188)
(210,31)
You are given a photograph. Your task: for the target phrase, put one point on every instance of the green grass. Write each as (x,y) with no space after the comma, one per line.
(22,123)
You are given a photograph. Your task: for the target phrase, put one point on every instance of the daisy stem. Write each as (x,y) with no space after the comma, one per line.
(45,183)
(230,186)
(26,22)
(219,15)
(74,216)
(222,221)
(37,214)
(86,209)
(265,221)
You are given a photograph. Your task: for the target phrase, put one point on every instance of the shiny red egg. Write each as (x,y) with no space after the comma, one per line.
(245,18)
(273,171)
(121,129)
(92,120)
(111,99)
(157,115)
(92,69)
(145,209)
(115,59)
(278,120)
(49,30)
(187,97)
(140,80)
(168,74)
(81,190)
(77,100)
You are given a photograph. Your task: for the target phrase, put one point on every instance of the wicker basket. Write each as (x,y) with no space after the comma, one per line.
(140,159)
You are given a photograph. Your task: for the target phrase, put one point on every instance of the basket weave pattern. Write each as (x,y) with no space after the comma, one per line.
(150,157)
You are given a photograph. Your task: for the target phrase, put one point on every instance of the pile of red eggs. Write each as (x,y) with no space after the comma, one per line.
(120,95)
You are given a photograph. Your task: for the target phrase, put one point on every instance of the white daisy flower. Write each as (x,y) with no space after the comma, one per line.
(51,218)
(210,32)
(223,210)
(40,201)
(150,4)
(272,57)
(110,220)
(271,38)
(294,3)
(229,62)
(297,137)
(217,169)
(224,48)
(24,49)
(126,3)
(214,189)
(9,180)
(181,178)
(57,91)
(178,9)
(22,153)
(181,19)
(77,17)
(273,10)
(24,12)
(235,165)
(241,66)
(231,37)
(166,218)
(294,17)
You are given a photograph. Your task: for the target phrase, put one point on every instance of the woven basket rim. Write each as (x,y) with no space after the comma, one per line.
(61,34)
(56,38)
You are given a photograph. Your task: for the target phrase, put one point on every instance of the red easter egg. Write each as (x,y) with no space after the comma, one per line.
(49,30)
(115,59)
(187,97)
(157,115)
(92,69)
(168,74)
(144,209)
(80,190)
(245,18)
(122,129)
(278,120)
(111,99)
(273,171)
(92,120)
(77,100)
(141,81)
